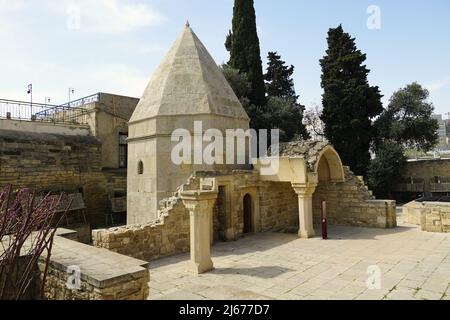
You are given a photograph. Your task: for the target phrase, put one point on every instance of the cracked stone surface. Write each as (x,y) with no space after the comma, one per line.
(414,266)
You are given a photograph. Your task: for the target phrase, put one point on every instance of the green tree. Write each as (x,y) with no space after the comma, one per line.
(386,169)
(237,80)
(245,52)
(408,119)
(406,123)
(349,102)
(282,113)
(286,114)
(279,82)
(242,87)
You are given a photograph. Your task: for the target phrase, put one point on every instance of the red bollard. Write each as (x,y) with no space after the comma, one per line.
(324,221)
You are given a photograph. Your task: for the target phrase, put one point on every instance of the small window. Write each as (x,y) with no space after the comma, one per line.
(140,167)
(123,151)
(437,179)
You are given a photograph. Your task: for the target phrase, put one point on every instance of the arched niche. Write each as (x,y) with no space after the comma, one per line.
(329,166)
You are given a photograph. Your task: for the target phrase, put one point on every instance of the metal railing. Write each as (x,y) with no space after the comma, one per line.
(83,101)
(415,185)
(406,187)
(69,113)
(440,184)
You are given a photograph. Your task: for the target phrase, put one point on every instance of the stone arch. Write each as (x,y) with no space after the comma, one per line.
(330,176)
(329,166)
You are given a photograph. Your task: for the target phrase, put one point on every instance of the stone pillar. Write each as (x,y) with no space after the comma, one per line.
(305,208)
(200,206)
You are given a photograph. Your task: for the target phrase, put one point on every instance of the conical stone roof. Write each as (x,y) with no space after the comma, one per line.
(188,82)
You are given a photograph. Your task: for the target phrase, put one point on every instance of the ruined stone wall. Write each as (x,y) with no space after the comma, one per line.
(166,236)
(170,234)
(278,205)
(351,203)
(51,162)
(437,218)
(431,216)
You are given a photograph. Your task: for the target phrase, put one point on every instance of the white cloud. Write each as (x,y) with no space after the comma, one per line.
(114,16)
(438,84)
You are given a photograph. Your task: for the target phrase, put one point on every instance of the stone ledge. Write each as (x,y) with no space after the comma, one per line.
(99,267)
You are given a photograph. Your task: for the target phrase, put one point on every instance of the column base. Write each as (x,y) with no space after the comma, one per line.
(304,234)
(230,235)
(200,268)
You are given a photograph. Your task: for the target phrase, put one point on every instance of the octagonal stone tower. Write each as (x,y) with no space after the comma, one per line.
(188,86)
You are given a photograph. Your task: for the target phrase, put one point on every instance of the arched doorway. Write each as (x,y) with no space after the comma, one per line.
(248,214)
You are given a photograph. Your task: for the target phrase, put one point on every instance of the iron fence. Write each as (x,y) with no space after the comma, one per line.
(83,101)
(69,113)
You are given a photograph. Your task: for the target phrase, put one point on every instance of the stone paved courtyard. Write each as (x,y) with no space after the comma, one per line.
(414,265)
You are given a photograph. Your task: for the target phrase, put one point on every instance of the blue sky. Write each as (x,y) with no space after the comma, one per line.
(115,45)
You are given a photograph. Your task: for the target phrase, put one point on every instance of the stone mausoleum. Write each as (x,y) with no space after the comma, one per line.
(173,208)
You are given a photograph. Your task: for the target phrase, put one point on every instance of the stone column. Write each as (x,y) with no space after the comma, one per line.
(305,208)
(200,206)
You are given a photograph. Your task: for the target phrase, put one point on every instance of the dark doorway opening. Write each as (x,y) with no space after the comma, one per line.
(248,214)
(221,215)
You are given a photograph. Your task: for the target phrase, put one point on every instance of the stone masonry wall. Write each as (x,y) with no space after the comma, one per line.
(51,162)
(158,239)
(431,216)
(278,205)
(103,275)
(351,203)
(128,289)
(166,236)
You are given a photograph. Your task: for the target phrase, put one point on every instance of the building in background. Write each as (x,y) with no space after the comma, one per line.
(79,149)
(443,133)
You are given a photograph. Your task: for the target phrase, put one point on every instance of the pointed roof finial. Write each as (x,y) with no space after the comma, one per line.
(187,24)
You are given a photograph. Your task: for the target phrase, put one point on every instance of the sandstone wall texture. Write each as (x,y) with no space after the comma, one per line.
(103,275)
(166,236)
(278,205)
(129,288)
(351,203)
(431,216)
(59,163)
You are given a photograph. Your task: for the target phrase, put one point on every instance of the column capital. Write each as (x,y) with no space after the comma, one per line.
(304,189)
(198,201)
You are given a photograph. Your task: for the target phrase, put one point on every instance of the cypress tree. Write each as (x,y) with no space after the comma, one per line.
(245,53)
(279,82)
(349,102)
(285,113)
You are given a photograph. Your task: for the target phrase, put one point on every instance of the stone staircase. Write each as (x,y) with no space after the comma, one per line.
(167,205)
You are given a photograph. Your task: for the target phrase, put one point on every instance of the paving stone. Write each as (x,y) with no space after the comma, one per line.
(280,266)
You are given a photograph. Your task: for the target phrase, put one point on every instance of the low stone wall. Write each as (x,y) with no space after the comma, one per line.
(166,236)
(104,275)
(431,216)
(351,203)
(412,213)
